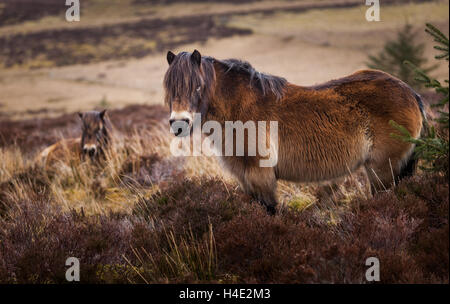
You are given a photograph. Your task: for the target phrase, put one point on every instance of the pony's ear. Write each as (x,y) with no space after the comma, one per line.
(80,115)
(196,57)
(102,114)
(170,57)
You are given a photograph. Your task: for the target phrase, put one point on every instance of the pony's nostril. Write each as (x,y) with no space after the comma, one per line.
(180,127)
(92,152)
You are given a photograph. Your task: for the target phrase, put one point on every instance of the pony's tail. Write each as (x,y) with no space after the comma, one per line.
(425,125)
(411,164)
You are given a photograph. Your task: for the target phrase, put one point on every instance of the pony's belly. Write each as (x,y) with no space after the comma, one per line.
(331,165)
(295,172)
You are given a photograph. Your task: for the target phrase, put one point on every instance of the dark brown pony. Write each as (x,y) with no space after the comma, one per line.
(96,133)
(324,131)
(94,140)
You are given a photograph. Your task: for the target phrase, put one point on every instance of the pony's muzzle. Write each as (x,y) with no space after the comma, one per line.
(90,150)
(180,128)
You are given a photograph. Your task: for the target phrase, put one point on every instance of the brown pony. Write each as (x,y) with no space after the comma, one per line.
(324,131)
(95,138)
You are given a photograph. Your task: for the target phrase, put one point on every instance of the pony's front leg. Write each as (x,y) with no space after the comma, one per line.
(261,184)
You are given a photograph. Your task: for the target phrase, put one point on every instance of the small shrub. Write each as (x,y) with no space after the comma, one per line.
(193,203)
(184,259)
(394,54)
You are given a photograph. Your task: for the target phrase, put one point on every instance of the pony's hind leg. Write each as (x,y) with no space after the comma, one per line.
(385,174)
(261,184)
(410,167)
(380,178)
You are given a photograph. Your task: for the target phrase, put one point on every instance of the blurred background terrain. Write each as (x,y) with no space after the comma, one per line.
(115,55)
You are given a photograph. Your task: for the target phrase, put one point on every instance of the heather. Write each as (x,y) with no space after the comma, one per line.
(144,216)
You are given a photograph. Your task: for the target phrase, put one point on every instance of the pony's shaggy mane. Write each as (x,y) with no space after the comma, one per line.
(264,82)
(183,77)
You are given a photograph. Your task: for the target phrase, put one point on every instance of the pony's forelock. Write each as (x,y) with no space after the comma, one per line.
(184,77)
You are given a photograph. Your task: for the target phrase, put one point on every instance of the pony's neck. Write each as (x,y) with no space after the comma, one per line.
(231,95)
(106,136)
(107,131)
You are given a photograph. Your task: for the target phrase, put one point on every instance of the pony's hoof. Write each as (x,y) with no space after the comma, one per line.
(271,210)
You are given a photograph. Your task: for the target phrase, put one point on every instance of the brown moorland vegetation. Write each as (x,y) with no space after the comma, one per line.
(146,217)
